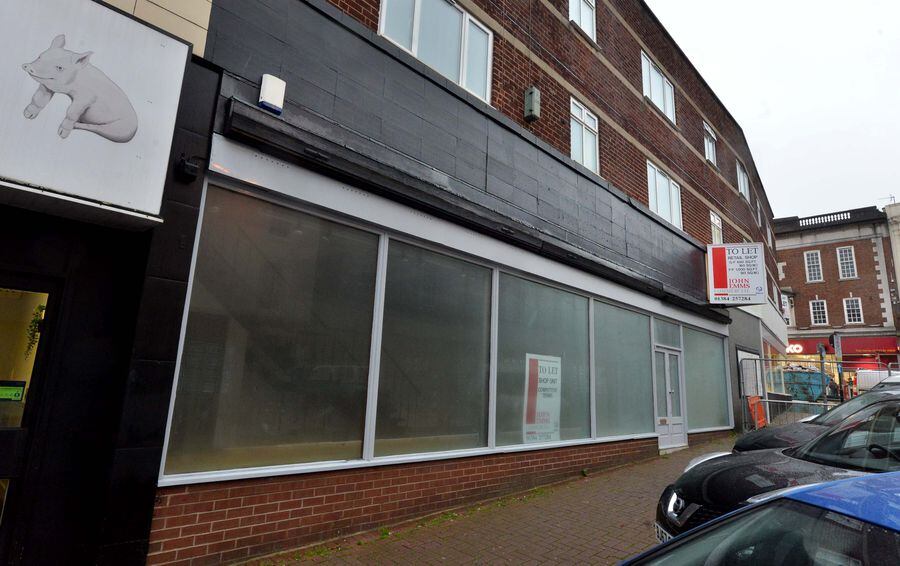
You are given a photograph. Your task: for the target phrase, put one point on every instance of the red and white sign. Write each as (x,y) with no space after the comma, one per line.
(736,274)
(543,391)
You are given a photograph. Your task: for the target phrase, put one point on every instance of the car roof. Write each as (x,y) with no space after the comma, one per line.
(873,498)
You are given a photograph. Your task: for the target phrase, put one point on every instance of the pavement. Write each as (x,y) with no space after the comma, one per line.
(601,519)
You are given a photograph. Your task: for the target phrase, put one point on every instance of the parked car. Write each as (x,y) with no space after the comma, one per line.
(865,442)
(797,433)
(854,521)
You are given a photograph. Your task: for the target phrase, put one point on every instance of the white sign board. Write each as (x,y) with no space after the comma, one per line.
(543,392)
(88,101)
(736,274)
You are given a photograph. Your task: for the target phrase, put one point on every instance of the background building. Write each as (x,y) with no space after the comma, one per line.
(838,276)
(416,288)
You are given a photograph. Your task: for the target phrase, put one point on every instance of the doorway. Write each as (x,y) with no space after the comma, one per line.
(23,310)
(669,386)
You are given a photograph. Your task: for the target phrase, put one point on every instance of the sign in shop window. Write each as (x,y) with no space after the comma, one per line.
(543,389)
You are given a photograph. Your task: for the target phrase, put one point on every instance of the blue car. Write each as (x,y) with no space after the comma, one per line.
(848,522)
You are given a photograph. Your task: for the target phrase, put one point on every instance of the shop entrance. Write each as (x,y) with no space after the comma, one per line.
(669,386)
(23,310)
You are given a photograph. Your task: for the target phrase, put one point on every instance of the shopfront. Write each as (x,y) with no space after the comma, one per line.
(329,328)
(87,113)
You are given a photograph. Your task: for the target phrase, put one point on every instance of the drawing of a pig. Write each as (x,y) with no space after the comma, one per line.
(98,104)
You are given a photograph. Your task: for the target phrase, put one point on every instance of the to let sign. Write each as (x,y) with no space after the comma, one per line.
(736,274)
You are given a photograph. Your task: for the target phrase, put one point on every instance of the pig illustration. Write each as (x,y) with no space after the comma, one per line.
(98,104)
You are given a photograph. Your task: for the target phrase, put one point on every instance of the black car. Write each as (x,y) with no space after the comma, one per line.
(799,433)
(867,441)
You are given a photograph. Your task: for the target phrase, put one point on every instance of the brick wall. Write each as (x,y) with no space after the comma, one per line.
(230,521)
(833,290)
(607,75)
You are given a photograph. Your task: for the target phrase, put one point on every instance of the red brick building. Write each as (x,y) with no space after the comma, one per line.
(838,276)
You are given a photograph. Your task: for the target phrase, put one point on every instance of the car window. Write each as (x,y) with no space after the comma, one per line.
(784,532)
(847,408)
(868,440)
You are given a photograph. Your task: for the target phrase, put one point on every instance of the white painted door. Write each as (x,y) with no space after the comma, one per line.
(670,424)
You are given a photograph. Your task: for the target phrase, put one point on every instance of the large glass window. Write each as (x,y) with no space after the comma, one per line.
(435,353)
(623,371)
(276,351)
(709,143)
(743,181)
(846,262)
(667,333)
(813,261)
(543,377)
(583,13)
(444,37)
(706,381)
(818,312)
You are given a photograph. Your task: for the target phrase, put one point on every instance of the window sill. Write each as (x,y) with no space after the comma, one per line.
(592,42)
(848,278)
(816,281)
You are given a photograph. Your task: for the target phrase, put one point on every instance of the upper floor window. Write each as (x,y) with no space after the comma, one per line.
(813,261)
(743,181)
(584,13)
(709,143)
(846,262)
(657,87)
(665,195)
(769,235)
(853,310)
(715,223)
(584,136)
(818,312)
(786,309)
(445,38)
(759,214)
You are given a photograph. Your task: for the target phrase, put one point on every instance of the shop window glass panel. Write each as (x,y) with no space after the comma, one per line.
(662,392)
(706,381)
(275,362)
(435,354)
(543,364)
(624,377)
(477,60)
(667,334)
(440,37)
(21,319)
(398,21)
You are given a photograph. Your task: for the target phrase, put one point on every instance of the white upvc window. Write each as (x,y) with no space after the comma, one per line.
(786,309)
(584,13)
(846,262)
(715,224)
(584,136)
(759,214)
(818,312)
(444,37)
(743,181)
(853,310)
(813,261)
(664,195)
(769,235)
(657,87)
(709,143)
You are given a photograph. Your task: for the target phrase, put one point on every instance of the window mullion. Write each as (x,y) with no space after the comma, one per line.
(492,381)
(592,368)
(375,351)
(464,50)
(417,11)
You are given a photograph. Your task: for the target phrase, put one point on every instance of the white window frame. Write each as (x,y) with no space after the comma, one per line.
(709,143)
(758,212)
(812,316)
(840,263)
(575,16)
(303,190)
(769,236)
(743,181)
(786,309)
(674,196)
(716,227)
(573,105)
(647,68)
(858,301)
(806,256)
(463,57)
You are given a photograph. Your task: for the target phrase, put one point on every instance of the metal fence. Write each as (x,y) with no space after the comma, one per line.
(779,391)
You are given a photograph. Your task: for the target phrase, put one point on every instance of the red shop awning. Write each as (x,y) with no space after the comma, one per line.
(850,345)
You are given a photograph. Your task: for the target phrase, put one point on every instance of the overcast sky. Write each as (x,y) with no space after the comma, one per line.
(815,84)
